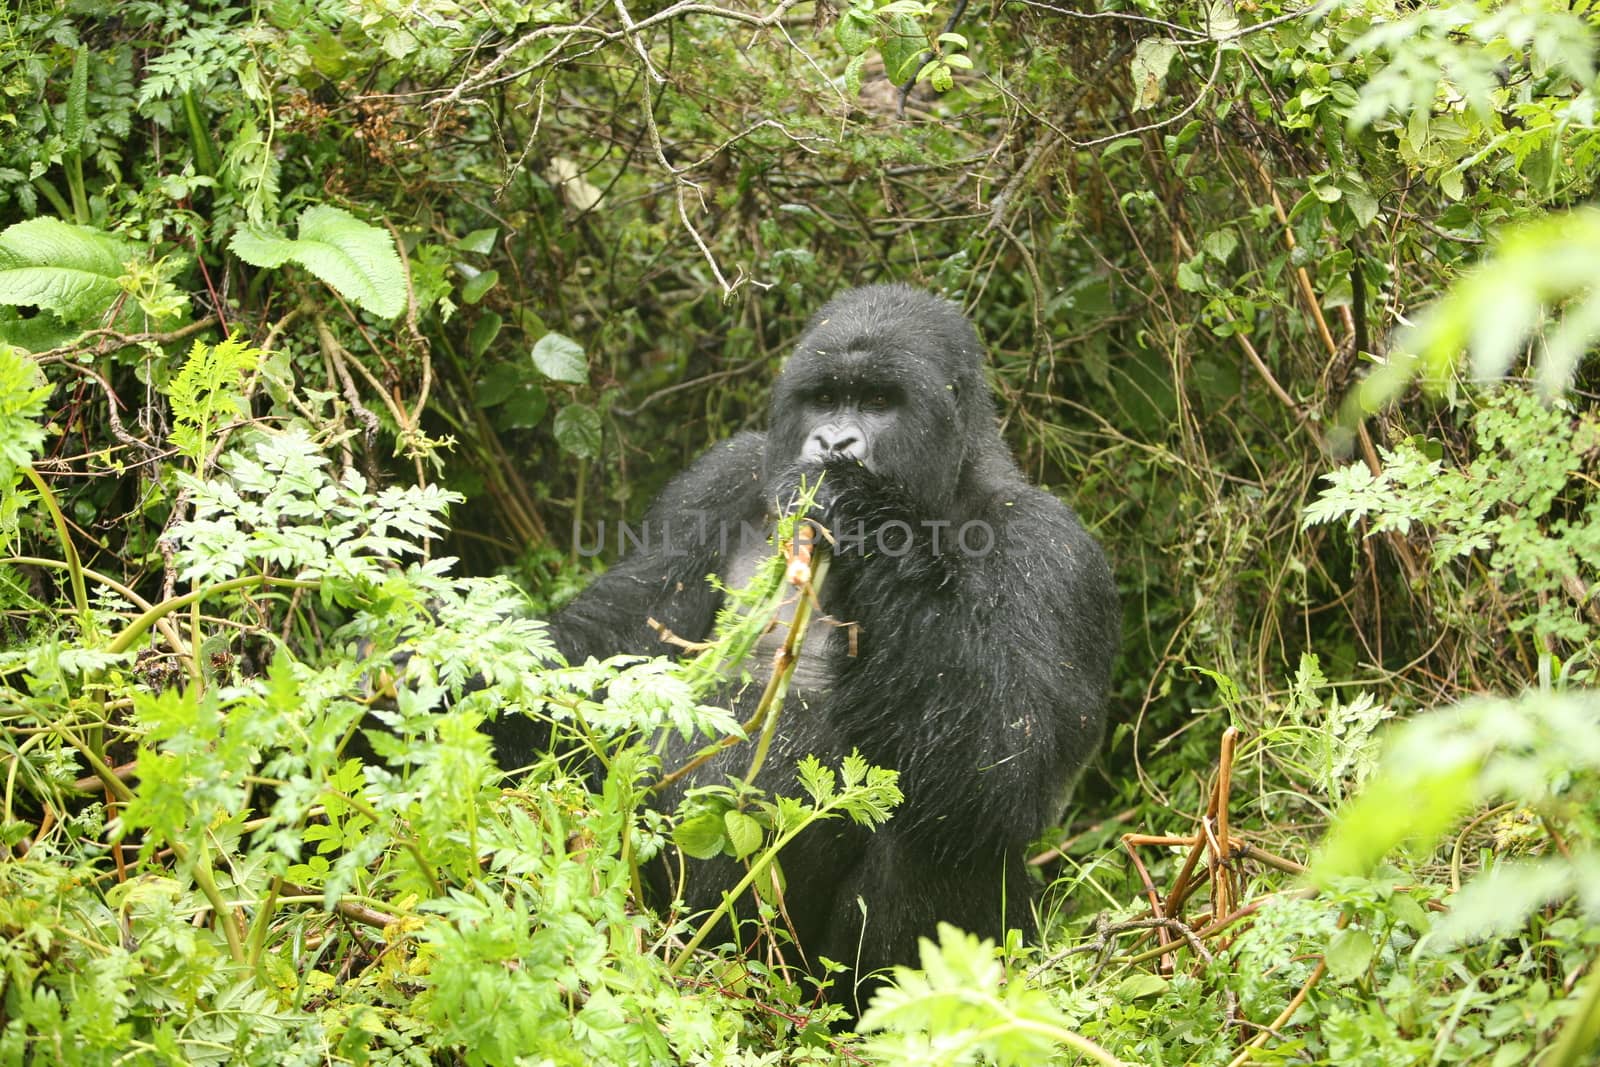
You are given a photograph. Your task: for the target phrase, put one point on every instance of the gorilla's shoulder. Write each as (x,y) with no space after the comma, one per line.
(725,480)
(1035,524)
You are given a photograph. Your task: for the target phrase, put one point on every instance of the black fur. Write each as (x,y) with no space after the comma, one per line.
(980,676)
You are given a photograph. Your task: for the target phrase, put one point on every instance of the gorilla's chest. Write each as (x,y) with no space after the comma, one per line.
(814,671)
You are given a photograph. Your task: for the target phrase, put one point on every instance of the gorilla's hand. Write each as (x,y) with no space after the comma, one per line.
(845,496)
(866,516)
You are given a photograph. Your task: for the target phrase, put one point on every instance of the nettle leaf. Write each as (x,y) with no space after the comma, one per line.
(561,359)
(62,268)
(356,259)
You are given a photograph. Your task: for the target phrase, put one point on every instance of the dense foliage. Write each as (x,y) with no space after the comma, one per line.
(329,331)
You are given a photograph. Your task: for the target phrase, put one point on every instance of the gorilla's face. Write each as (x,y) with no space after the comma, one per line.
(886,379)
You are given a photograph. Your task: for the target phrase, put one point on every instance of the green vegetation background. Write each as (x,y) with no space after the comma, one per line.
(1293,303)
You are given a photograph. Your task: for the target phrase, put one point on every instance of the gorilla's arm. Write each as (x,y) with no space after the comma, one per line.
(690,528)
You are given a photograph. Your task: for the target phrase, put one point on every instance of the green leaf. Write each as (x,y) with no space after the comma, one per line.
(478,284)
(902,47)
(1362,204)
(207,392)
(483,333)
(561,359)
(523,409)
(700,836)
(1498,901)
(1220,244)
(479,241)
(1142,984)
(744,833)
(577,430)
(22,395)
(356,259)
(1222,20)
(1350,954)
(77,116)
(1192,275)
(69,270)
(853,31)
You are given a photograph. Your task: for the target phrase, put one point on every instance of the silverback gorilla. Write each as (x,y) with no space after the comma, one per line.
(985,621)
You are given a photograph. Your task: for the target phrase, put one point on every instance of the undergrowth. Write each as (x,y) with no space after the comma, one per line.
(328,331)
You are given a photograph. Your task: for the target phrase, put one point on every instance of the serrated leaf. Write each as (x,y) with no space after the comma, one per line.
(356,259)
(577,430)
(22,395)
(744,833)
(69,270)
(561,359)
(1151,60)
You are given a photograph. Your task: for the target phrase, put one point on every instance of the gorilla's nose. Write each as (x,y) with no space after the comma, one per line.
(831,444)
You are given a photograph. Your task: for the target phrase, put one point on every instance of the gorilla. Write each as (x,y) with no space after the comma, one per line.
(982,622)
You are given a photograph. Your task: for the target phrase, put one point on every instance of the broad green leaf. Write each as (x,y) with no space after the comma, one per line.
(853,31)
(560,359)
(1192,275)
(524,409)
(483,333)
(1219,244)
(356,259)
(902,47)
(700,836)
(1350,954)
(478,284)
(479,241)
(69,270)
(1222,19)
(744,833)
(577,430)
(1362,204)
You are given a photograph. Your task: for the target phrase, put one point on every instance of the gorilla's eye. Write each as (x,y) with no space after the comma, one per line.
(878,400)
(824,398)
